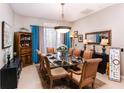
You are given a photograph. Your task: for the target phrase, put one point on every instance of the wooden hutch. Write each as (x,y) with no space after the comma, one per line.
(23,47)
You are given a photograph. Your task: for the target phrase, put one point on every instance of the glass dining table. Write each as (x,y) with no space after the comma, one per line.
(68,62)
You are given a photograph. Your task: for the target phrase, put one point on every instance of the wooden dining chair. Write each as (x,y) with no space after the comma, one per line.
(55,73)
(50,50)
(88,73)
(41,61)
(86,55)
(76,53)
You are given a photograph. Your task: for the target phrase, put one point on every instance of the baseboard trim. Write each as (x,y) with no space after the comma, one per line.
(122,77)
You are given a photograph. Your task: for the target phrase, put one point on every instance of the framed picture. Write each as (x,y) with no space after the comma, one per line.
(75,34)
(80,38)
(6,35)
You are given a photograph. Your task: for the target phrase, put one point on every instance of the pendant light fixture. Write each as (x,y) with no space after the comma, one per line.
(61,28)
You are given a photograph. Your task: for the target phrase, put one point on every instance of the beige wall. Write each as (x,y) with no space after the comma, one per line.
(24,21)
(6,14)
(109,18)
(18,21)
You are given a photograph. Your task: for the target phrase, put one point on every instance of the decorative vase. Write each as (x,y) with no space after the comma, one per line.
(62,56)
(8,61)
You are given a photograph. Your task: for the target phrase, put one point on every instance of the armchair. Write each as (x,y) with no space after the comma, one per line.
(86,55)
(55,73)
(88,73)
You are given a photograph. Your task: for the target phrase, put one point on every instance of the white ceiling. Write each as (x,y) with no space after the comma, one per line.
(72,11)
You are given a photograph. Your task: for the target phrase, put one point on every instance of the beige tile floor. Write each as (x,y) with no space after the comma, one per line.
(29,79)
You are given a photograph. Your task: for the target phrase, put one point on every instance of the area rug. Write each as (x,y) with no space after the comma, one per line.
(62,84)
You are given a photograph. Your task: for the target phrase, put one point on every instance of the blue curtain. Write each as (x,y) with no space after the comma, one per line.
(98,38)
(67,39)
(35,43)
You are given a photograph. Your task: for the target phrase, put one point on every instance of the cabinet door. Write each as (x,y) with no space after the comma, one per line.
(26,60)
(29,59)
(23,61)
(9,78)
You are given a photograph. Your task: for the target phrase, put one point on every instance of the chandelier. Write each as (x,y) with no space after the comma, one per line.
(62,28)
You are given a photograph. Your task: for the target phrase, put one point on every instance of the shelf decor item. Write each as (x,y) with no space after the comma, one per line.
(23,29)
(6,36)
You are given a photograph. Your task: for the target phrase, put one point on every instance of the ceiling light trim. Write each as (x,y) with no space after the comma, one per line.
(62,29)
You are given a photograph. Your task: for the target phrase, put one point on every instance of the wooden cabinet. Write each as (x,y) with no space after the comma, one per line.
(23,47)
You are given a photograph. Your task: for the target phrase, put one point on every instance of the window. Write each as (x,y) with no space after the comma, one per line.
(52,38)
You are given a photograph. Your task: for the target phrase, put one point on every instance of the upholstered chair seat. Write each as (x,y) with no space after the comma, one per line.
(58,72)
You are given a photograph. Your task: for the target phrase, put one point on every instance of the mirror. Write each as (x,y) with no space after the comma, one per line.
(96,37)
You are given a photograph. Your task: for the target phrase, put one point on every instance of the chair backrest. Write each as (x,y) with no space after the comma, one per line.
(76,52)
(87,55)
(89,69)
(71,51)
(50,50)
(38,51)
(47,66)
(41,59)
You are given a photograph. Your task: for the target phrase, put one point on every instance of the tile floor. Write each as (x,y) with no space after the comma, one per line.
(29,79)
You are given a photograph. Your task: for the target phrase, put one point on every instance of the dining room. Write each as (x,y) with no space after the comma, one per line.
(57,48)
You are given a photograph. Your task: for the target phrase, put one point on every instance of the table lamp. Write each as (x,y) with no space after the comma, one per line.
(104,42)
(85,42)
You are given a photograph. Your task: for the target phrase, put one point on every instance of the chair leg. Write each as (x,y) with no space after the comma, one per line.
(68,81)
(51,84)
(80,87)
(93,85)
(40,68)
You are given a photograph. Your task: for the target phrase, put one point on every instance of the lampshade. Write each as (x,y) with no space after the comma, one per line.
(71,34)
(104,42)
(85,41)
(61,28)
(90,41)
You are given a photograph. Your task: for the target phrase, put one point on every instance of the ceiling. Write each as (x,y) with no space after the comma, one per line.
(72,11)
